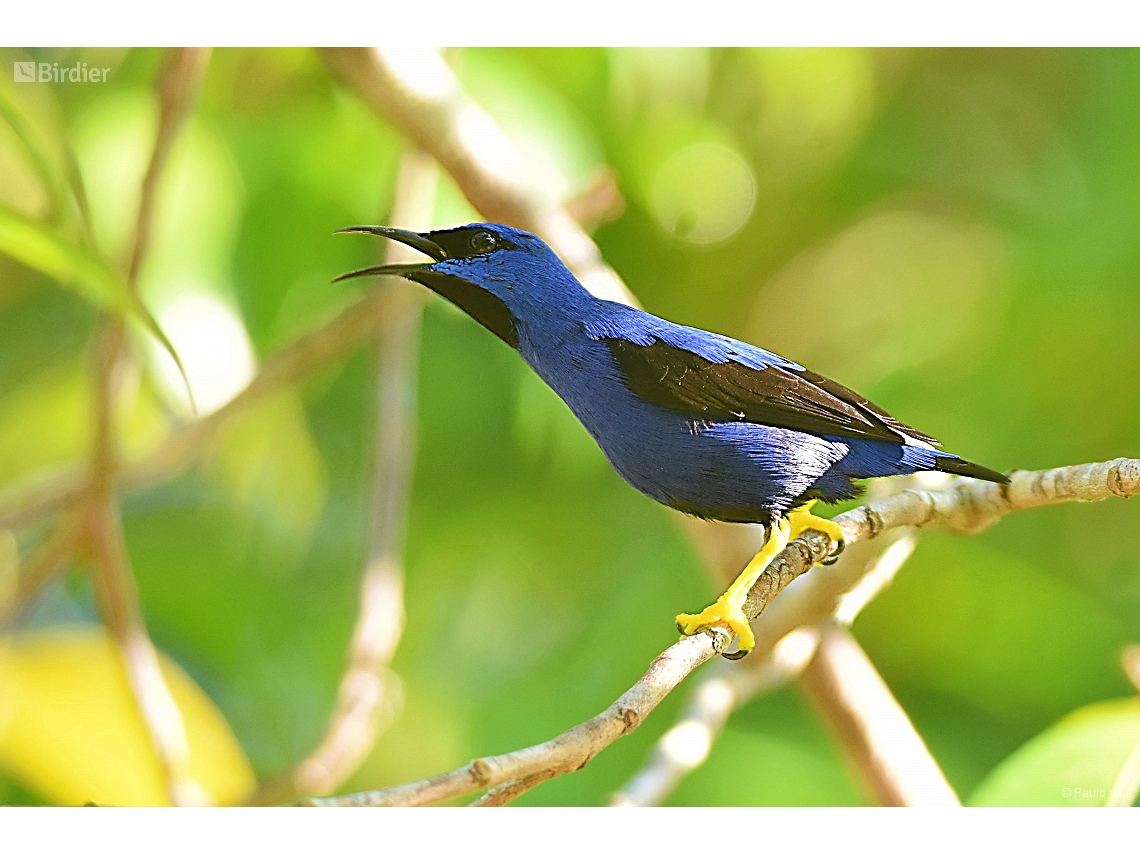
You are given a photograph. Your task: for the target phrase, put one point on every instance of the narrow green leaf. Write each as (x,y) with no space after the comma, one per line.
(31,244)
(54,166)
(1088,758)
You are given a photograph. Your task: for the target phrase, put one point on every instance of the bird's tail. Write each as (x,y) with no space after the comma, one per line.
(958,466)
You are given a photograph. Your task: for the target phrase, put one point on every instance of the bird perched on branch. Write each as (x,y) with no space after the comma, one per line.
(708,425)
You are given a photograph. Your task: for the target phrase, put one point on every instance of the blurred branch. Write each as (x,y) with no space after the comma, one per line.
(875,732)
(118,600)
(600,201)
(48,559)
(966,506)
(366,684)
(114,583)
(176,86)
(415,90)
(1130,663)
(23,504)
(354,325)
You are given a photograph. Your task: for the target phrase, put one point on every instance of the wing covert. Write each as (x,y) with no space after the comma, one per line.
(780,394)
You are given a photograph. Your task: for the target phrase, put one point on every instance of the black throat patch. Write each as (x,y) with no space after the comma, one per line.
(482,305)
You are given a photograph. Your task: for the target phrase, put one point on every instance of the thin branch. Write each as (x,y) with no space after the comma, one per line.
(46,494)
(507,793)
(365,686)
(965,506)
(876,734)
(354,325)
(118,600)
(565,753)
(176,86)
(114,583)
(725,687)
(45,563)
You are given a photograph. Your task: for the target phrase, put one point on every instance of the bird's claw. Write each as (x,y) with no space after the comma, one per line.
(802,519)
(725,614)
(840,545)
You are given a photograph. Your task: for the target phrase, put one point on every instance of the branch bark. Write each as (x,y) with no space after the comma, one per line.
(965,506)
(725,688)
(565,753)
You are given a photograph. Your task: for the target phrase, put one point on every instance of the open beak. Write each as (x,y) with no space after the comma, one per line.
(413,239)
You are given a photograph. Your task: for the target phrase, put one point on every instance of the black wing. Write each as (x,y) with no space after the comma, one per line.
(698,388)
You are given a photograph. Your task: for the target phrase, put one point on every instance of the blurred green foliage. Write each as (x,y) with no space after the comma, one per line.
(954,233)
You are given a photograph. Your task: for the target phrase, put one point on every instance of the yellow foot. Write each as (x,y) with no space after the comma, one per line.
(728,611)
(802,519)
(724,613)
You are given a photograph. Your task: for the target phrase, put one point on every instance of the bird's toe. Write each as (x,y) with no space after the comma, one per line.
(725,614)
(840,545)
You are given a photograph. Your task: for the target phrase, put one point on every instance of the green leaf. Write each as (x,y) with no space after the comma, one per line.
(53,158)
(1089,758)
(31,244)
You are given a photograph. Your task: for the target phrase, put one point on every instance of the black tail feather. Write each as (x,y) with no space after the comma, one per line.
(958,466)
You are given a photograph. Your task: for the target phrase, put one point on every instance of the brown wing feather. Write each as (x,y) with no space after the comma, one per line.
(689,384)
(855,399)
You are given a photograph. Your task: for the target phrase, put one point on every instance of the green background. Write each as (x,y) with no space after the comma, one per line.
(954,233)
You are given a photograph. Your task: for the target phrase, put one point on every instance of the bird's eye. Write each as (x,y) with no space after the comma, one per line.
(483,242)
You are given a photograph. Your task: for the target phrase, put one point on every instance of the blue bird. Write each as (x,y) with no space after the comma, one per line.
(703,423)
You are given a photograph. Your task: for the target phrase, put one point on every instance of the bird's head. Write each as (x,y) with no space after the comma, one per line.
(497,274)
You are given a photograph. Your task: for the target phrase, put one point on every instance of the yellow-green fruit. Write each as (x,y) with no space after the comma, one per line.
(70,730)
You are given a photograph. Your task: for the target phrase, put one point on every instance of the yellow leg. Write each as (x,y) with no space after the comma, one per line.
(802,519)
(728,611)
